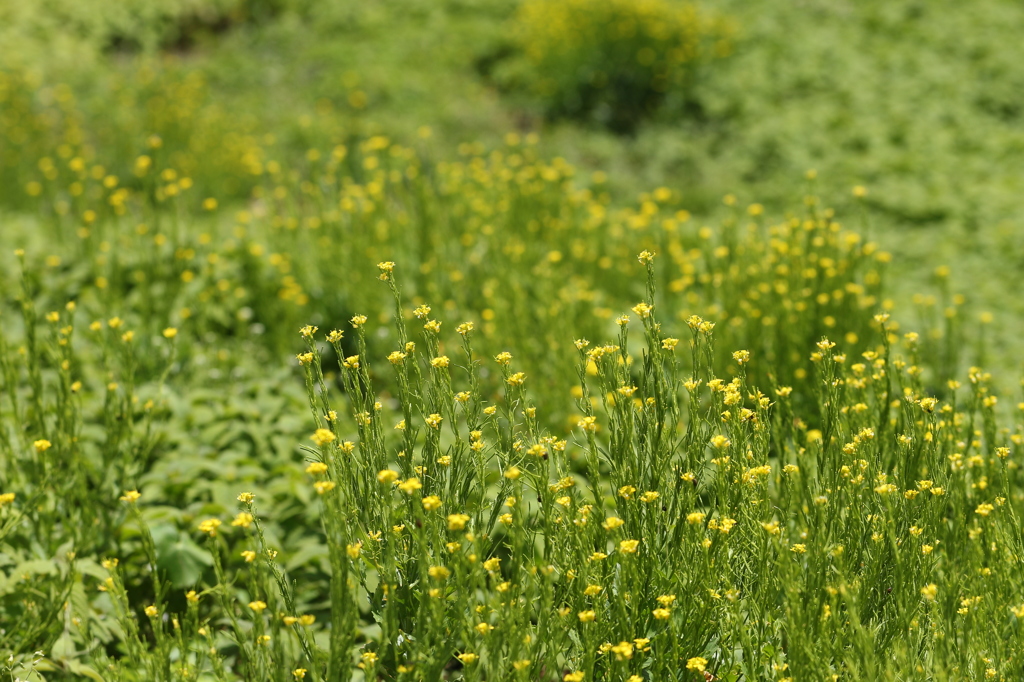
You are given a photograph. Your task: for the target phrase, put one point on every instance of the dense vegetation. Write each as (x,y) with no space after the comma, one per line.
(537,359)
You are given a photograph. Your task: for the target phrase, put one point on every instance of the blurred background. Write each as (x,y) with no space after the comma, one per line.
(920,103)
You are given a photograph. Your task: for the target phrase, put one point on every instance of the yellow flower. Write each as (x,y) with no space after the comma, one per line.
(517,379)
(612,522)
(409,486)
(492,564)
(130,496)
(434,420)
(930,591)
(720,442)
(697,663)
(798,549)
(299,673)
(439,361)
(438,572)
(984,509)
(573,677)
(586,616)
(457,521)
(629,546)
(468,658)
(246,498)
(210,526)
(661,614)
(323,437)
(622,651)
(249,556)
(431,502)
(243,520)
(386,476)
(257,606)
(353,550)
(170,333)
(693,518)
(151,611)
(42,445)
(323,487)
(192,597)
(316,468)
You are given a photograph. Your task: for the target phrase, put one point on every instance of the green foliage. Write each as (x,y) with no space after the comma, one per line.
(614,62)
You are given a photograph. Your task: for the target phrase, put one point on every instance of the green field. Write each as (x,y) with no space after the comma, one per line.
(494,340)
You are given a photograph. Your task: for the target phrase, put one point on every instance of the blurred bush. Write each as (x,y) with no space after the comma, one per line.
(614,62)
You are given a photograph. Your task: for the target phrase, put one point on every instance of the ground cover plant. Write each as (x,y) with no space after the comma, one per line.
(306,373)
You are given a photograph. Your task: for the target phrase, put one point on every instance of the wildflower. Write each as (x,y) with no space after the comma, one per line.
(720,442)
(431,502)
(170,332)
(299,673)
(42,445)
(643,310)
(593,590)
(246,498)
(434,420)
(192,597)
(649,496)
(798,549)
(438,572)
(930,591)
(322,437)
(517,379)
(693,518)
(457,521)
(612,522)
(152,611)
(307,331)
(243,520)
(629,546)
(622,651)
(323,487)
(354,550)
(316,468)
(440,361)
(468,658)
(130,496)
(465,328)
(503,358)
(576,676)
(386,476)
(210,526)
(984,509)
(646,257)
(335,336)
(257,606)
(588,424)
(697,664)
(741,357)
(661,614)
(586,616)
(512,473)
(492,564)
(248,555)
(772,527)
(669,343)
(396,357)
(358,321)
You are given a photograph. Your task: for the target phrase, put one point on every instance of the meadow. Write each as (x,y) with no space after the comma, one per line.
(486,340)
